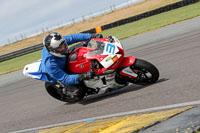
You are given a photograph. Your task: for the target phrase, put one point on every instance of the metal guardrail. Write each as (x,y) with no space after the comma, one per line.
(145,15)
(104,27)
(21,52)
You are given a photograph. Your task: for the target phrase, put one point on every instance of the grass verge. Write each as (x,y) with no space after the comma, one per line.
(121,32)
(155,22)
(19,62)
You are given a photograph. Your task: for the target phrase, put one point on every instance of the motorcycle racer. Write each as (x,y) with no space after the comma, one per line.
(104,57)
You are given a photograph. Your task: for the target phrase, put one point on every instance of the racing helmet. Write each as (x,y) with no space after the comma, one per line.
(56,44)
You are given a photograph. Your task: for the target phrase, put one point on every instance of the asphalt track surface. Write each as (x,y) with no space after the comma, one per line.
(174,49)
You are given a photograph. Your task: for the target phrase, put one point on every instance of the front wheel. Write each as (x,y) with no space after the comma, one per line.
(147,72)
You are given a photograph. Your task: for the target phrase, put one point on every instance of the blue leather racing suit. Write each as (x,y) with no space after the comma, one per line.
(53,67)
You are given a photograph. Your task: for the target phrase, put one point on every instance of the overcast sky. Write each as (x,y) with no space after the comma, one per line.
(30,16)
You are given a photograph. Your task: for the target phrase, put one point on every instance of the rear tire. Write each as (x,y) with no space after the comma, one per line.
(56,92)
(147,72)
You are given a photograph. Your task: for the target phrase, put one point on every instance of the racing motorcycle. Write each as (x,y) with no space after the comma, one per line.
(105,59)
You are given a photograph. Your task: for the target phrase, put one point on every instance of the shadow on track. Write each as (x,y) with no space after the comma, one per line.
(132,87)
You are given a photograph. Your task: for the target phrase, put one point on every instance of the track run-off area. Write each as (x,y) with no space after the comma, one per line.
(174,50)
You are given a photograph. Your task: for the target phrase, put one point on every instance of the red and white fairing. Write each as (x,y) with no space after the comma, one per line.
(109,54)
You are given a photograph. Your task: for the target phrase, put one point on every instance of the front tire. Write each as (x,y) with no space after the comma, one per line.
(147,72)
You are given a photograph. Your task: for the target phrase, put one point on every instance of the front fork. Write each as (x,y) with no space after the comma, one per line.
(128,72)
(133,74)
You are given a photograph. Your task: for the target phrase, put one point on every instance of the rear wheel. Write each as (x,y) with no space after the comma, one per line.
(60,93)
(147,72)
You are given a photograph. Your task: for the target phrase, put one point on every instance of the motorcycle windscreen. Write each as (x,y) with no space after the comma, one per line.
(97,46)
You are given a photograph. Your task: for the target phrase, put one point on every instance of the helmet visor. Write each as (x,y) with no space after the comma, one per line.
(63,48)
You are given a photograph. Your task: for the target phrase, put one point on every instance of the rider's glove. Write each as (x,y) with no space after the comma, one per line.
(85,43)
(85,76)
(110,38)
(96,36)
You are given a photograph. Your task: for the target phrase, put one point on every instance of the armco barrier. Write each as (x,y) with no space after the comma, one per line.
(145,15)
(104,27)
(20,52)
(150,13)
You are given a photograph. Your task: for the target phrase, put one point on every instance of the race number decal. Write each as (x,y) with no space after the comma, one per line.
(110,49)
